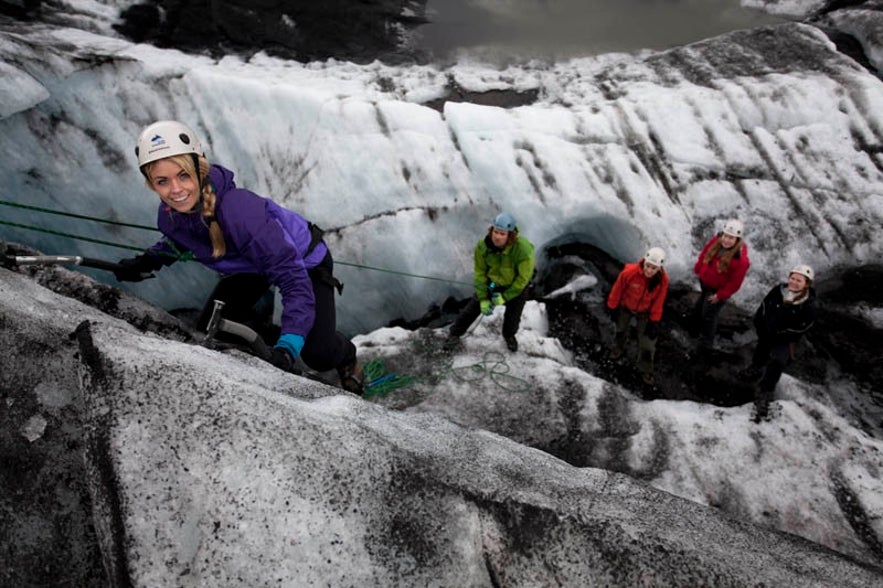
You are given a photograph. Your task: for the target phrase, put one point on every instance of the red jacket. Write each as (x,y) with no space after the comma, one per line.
(724,284)
(630,290)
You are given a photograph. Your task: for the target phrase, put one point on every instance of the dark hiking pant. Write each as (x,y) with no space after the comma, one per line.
(247,300)
(511,320)
(771,357)
(646,345)
(324,348)
(705,315)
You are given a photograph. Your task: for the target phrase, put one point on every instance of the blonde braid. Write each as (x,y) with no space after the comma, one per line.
(209,200)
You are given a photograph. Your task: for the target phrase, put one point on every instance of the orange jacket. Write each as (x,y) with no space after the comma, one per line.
(630,290)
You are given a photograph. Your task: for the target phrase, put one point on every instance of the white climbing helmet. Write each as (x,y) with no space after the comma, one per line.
(165,138)
(734,227)
(655,256)
(804,270)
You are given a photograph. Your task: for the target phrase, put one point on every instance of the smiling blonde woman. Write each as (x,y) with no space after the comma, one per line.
(254,244)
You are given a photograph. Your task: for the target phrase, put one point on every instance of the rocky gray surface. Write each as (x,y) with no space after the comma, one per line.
(205,468)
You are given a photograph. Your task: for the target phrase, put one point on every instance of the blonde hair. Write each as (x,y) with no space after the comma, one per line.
(724,262)
(208,198)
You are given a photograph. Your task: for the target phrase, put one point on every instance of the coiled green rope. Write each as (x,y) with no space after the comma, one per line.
(493,365)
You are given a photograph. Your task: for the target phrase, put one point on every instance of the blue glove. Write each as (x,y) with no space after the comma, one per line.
(291,343)
(497,299)
(286,351)
(486,308)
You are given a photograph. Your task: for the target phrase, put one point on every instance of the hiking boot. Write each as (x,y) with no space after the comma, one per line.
(762,400)
(512,343)
(351,378)
(761,411)
(616,354)
(648,378)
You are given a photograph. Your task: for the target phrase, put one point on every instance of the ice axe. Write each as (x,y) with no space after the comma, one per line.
(10,261)
(474,325)
(217,324)
(481,315)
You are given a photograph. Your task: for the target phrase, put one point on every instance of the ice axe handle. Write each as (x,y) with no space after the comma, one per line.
(110,266)
(217,323)
(214,322)
(23,260)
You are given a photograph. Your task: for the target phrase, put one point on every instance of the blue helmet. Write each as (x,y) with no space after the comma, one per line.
(504,222)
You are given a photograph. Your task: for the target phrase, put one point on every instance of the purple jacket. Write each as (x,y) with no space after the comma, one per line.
(262,238)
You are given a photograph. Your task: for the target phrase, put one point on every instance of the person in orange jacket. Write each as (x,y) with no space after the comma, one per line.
(639,292)
(721,268)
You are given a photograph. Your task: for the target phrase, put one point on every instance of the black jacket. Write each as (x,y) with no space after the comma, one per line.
(782,322)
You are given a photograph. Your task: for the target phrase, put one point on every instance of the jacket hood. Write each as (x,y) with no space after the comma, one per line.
(810,295)
(221,179)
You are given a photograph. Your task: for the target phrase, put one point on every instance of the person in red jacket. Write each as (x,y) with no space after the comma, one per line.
(721,268)
(639,292)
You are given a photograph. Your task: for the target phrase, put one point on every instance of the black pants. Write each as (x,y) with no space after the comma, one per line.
(705,315)
(324,348)
(772,357)
(247,300)
(646,345)
(511,320)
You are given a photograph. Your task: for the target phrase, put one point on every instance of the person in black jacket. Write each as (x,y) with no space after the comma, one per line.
(786,313)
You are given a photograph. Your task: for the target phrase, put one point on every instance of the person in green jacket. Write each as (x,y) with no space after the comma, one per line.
(504,266)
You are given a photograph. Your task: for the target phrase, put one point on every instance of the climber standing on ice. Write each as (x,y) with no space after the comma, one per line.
(503,269)
(721,268)
(787,313)
(639,293)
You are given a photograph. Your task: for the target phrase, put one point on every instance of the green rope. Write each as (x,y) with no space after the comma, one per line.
(72,215)
(381,383)
(374,371)
(497,372)
(184,257)
(492,366)
(400,273)
(177,253)
(62,234)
